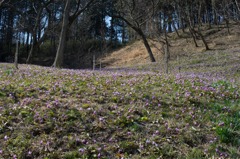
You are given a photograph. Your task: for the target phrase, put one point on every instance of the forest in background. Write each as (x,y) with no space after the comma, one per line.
(68,33)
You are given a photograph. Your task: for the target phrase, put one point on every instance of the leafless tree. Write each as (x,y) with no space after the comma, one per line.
(37,29)
(68,20)
(135,14)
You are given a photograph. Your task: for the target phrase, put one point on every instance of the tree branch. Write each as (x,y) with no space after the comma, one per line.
(1,2)
(78,12)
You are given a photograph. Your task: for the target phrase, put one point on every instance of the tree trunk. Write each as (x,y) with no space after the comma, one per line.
(215,20)
(170,27)
(34,35)
(146,44)
(167,52)
(1,2)
(194,36)
(36,44)
(227,22)
(238,8)
(9,33)
(203,39)
(16,55)
(159,22)
(30,52)
(199,14)
(123,33)
(176,30)
(183,25)
(111,31)
(191,29)
(27,42)
(62,39)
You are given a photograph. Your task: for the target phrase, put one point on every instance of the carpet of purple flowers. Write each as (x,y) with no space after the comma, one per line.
(53,113)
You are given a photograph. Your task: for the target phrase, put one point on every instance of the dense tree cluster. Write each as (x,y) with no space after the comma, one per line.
(60,33)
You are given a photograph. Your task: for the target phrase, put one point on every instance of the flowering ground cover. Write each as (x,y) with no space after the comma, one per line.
(51,113)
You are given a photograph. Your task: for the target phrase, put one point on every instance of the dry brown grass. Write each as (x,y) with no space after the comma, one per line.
(132,54)
(135,53)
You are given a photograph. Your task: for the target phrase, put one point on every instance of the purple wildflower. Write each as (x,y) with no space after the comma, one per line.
(221,124)
(5,137)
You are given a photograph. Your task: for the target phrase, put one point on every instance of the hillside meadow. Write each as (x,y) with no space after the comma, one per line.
(61,113)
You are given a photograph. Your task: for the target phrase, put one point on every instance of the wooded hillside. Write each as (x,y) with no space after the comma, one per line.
(68,33)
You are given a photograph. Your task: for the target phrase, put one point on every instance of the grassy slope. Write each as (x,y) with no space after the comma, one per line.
(218,39)
(52,113)
(135,112)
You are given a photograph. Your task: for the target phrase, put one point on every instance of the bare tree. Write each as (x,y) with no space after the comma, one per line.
(68,20)
(135,14)
(188,16)
(161,33)
(62,41)
(39,32)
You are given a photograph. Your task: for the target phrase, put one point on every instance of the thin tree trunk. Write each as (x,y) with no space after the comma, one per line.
(62,40)
(199,14)
(27,42)
(238,8)
(214,12)
(193,36)
(123,33)
(16,55)
(160,22)
(191,29)
(9,32)
(1,2)
(227,23)
(203,39)
(67,22)
(183,25)
(167,52)
(146,44)
(170,25)
(111,30)
(34,35)
(30,52)
(176,30)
